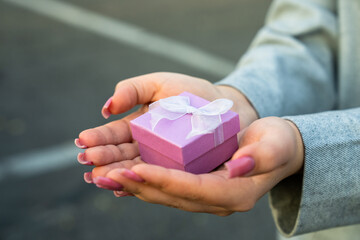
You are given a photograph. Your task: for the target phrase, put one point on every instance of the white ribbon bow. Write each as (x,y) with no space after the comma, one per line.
(203,120)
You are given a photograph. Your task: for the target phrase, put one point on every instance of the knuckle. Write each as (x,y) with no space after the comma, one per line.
(106,133)
(193,197)
(94,135)
(113,154)
(163,186)
(121,153)
(97,154)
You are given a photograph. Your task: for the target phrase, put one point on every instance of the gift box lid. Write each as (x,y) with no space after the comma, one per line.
(170,136)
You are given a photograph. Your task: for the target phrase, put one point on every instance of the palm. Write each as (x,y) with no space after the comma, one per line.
(215,192)
(212,193)
(111,147)
(112,142)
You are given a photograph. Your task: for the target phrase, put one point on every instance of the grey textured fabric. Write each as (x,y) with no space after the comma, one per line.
(305,64)
(340,233)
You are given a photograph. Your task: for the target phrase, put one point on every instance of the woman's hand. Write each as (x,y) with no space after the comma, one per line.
(270,150)
(113,143)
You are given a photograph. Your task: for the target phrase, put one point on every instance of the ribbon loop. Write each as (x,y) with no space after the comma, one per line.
(205,119)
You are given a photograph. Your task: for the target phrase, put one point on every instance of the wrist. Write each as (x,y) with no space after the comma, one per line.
(242,105)
(299,148)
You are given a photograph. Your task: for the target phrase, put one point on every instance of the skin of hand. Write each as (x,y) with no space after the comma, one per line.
(273,145)
(112,142)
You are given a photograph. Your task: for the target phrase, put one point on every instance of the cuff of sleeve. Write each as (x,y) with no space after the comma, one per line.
(326,195)
(284,201)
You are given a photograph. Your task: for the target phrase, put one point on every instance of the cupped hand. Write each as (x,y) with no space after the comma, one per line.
(113,143)
(270,150)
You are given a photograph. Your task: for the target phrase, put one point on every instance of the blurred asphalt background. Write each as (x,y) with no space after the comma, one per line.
(59,62)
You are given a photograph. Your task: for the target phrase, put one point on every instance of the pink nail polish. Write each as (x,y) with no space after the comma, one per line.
(88,177)
(131,175)
(107,183)
(122,194)
(240,167)
(105,110)
(79,144)
(81,159)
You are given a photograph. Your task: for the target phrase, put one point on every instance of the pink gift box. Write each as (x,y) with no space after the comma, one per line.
(168,146)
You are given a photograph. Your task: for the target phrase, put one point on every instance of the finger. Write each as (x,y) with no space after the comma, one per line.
(210,189)
(155,196)
(134,91)
(122,194)
(263,183)
(101,171)
(151,194)
(114,133)
(102,155)
(257,158)
(267,144)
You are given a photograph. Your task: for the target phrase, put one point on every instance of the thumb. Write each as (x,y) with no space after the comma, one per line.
(129,93)
(256,158)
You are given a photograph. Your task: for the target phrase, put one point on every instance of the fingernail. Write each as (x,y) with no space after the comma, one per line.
(131,175)
(105,110)
(107,183)
(122,194)
(81,159)
(240,167)
(88,177)
(79,144)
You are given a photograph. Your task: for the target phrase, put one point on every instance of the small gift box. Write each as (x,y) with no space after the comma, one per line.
(187,132)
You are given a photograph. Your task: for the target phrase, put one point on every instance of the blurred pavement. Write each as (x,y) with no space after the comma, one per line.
(54,78)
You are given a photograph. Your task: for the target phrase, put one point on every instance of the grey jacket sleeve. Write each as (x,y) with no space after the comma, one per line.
(289,65)
(289,70)
(328,193)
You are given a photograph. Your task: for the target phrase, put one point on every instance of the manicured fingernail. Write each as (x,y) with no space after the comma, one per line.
(79,144)
(107,183)
(122,194)
(131,175)
(88,177)
(105,110)
(240,167)
(81,159)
